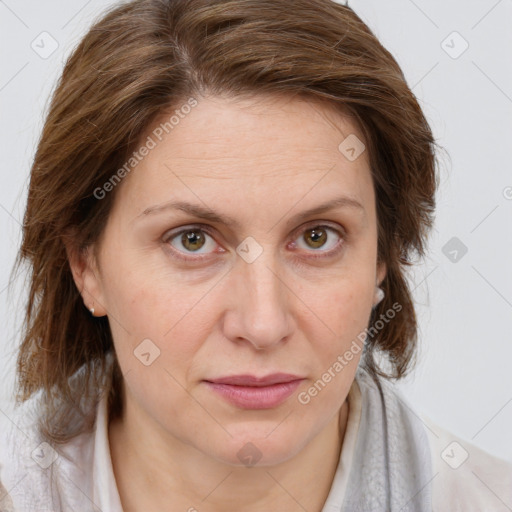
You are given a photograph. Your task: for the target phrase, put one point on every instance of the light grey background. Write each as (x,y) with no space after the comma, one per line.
(463,379)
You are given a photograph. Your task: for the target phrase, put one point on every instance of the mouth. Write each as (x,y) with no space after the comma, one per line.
(252,392)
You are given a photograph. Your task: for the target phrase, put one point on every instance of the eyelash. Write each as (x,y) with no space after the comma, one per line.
(169,236)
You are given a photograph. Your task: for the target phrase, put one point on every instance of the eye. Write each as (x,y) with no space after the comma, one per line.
(195,240)
(191,240)
(320,238)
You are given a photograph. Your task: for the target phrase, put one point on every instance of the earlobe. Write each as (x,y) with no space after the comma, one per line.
(379,292)
(381,273)
(85,273)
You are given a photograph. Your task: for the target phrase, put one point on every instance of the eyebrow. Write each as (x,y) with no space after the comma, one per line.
(206,213)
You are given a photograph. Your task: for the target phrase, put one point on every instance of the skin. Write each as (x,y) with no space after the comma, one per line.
(261,161)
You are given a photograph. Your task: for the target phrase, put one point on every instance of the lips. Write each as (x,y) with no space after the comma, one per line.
(251,380)
(253,392)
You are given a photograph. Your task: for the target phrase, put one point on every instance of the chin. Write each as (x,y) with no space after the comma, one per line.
(257,447)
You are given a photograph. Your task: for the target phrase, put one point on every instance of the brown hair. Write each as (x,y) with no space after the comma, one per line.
(146,56)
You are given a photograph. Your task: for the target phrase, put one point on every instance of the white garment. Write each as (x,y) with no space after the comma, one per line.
(481,482)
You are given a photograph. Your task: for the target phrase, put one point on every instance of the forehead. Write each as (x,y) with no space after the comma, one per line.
(260,127)
(264,148)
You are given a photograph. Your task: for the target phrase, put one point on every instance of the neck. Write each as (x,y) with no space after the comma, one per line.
(189,480)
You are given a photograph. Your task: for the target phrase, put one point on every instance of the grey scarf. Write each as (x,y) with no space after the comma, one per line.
(392,468)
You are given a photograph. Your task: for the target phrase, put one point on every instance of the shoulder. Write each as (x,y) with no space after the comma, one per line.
(17,440)
(35,474)
(462,477)
(466,478)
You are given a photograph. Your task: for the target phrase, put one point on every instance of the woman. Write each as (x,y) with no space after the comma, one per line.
(222,206)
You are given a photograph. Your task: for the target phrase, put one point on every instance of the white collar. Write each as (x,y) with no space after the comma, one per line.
(336,495)
(106,495)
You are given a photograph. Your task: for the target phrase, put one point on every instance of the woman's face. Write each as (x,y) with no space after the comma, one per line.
(219,266)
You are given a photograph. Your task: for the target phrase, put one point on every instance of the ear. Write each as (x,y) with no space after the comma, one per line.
(381,272)
(85,270)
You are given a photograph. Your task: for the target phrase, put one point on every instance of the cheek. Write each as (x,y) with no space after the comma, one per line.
(343,304)
(148,303)
(144,296)
(157,326)
(345,309)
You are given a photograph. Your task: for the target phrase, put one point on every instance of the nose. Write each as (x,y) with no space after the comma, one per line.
(259,311)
